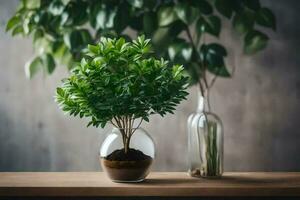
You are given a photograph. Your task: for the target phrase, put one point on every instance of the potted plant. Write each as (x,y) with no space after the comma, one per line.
(120,83)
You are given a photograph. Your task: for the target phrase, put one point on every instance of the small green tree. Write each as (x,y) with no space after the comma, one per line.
(120,82)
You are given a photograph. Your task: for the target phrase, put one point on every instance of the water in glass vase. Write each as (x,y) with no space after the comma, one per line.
(205,142)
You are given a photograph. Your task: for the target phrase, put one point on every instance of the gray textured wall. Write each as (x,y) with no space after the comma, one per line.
(260,109)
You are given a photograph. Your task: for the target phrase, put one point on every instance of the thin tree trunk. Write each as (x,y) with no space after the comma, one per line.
(126,145)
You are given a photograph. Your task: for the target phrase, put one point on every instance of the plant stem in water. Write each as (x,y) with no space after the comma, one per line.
(212,155)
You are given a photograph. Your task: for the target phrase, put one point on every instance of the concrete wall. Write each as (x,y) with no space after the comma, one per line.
(259,107)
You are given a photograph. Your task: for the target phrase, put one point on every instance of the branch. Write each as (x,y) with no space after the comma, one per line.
(136,127)
(201,87)
(120,129)
(190,38)
(213,81)
(205,78)
(195,48)
(113,123)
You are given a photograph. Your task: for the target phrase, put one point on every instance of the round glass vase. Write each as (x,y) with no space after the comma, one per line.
(205,142)
(130,164)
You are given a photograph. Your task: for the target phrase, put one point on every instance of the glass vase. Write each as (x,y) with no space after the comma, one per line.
(205,142)
(130,164)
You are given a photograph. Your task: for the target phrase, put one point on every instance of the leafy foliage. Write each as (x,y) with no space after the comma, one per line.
(62,28)
(118,81)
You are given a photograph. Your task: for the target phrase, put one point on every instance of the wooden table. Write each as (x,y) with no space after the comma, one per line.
(158,184)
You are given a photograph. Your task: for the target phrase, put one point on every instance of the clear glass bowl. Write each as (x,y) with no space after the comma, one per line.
(131,166)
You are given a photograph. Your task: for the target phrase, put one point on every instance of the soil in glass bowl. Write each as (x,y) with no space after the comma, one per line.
(132,166)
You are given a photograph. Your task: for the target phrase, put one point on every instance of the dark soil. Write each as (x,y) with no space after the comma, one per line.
(131,155)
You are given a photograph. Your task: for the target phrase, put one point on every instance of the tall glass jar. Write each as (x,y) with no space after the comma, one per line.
(205,142)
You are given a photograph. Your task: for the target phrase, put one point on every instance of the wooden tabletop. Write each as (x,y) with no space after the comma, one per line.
(157,184)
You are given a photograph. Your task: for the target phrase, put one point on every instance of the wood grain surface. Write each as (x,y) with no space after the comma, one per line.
(172,184)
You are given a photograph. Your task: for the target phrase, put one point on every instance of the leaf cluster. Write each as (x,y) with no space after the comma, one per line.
(118,79)
(64,27)
(204,17)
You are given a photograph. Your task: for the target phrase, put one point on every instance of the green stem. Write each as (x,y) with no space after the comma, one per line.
(188,32)
(212,155)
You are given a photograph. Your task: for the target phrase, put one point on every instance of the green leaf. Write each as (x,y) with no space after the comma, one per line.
(186,13)
(71,39)
(94,8)
(38,34)
(216,49)
(136,23)
(102,124)
(150,23)
(166,15)
(163,36)
(126,37)
(65,2)
(56,7)
(86,36)
(146,118)
(94,49)
(31,4)
(13,22)
(200,26)
(214,60)
(48,62)
(60,92)
(252,4)
(255,41)
(176,28)
(32,67)
(121,19)
(17,30)
(216,65)
(81,115)
(203,6)
(136,3)
(224,7)
(77,39)
(150,4)
(244,22)
(212,25)
(106,33)
(105,17)
(213,56)
(120,43)
(76,13)
(266,18)
(62,53)
(89,124)
(194,71)
(180,51)
(26,26)
(220,71)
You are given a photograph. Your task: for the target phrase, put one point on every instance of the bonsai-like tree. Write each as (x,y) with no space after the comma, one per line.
(119,82)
